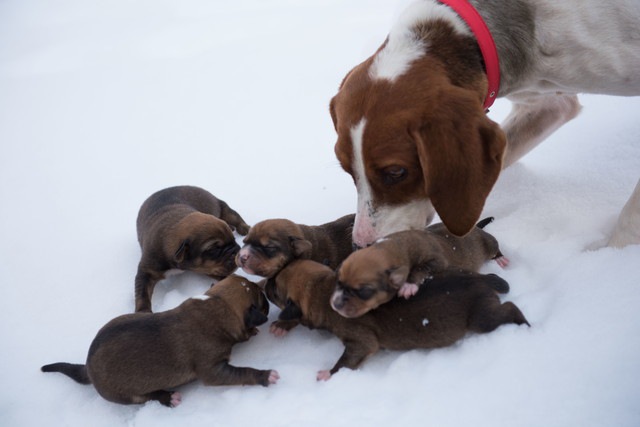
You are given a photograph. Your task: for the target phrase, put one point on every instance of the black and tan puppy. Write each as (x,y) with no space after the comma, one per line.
(400,262)
(184,228)
(142,356)
(442,312)
(273,243)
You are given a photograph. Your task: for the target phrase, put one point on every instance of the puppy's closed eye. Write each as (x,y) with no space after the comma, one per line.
(364,293)
(217,250)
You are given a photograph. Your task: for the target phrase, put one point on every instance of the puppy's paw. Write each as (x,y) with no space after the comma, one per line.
(274,376)
(277,330)
(408,290)
(502,261)
(323,375)
(176,399)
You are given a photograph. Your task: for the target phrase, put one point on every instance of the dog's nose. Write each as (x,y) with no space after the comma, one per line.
(242,259)
(337,303)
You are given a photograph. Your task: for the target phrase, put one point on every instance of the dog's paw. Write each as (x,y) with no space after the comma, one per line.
(323,375)
(273,378)
(502,261)
(176,399)
(277,330)
(408,290)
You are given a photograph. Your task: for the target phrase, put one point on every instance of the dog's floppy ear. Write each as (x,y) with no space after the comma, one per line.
(301,247)
(291,312)
(398,276)
(183,252)
(254,317)
(460,152)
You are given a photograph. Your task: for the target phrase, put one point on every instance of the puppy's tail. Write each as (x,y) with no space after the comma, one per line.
(497,283)
(484,222)
(76,372)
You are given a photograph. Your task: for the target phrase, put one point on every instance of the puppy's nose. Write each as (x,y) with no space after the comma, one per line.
(242,259)
(337,303)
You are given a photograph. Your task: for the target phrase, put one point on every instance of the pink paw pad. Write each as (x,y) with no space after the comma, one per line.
(274,376)
(176,399)
(323,375)
(408,290)
(502,261)
(277,331)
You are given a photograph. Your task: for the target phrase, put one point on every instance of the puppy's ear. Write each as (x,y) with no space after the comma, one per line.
(254,317)
(291,312)
(460,152)
(183,252)
(398,276)
(301,248)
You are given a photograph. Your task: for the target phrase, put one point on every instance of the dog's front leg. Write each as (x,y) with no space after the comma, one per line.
(533,117)
(223,373)
(144,284)
(627,229)
(356,351)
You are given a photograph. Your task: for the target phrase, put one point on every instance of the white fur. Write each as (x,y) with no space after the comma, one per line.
(201,297)
(173,272)
(373,222)
(403,47)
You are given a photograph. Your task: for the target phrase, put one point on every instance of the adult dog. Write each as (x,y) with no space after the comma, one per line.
(411,123)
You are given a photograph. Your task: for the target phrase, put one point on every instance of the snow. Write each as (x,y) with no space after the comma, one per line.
(103,103)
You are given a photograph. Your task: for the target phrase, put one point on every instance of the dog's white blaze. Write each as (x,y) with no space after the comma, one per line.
(201,297)
(363,229)
(403,47)
(372,222)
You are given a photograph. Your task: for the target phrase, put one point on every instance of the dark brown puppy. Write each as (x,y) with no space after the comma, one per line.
(399,263)
(441,313)
(141,356)
(184,228)
(273,243)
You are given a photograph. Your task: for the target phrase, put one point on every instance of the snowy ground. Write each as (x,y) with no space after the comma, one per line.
(103,103)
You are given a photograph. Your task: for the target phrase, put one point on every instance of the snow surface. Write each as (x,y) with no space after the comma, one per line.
(103,103)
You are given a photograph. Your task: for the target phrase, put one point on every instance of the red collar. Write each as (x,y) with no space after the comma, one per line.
(487,46)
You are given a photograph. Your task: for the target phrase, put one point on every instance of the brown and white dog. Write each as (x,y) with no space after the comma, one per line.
(412,129)
(184,228)
(438,316)
(403,261)
(272,244)
(142,356)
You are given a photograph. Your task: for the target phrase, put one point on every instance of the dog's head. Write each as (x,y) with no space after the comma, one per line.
(204,244)
(291,290)
(414,142)
(244,297)
(366,279)
(270,245)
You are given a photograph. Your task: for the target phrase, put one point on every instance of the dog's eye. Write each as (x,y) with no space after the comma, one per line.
(268,250)
(393,174)
(217,251)
(365,293)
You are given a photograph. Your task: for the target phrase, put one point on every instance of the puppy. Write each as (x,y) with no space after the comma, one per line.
(184,228)
(441,313)
(141,356)
(399,263)
(272,244)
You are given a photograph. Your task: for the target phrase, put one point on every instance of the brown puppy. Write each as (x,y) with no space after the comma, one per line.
(399,263)
(441,313)
(184,228)
(272,244)
(139,357)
